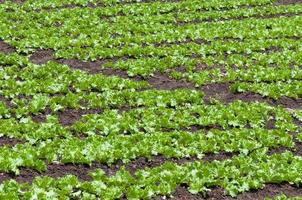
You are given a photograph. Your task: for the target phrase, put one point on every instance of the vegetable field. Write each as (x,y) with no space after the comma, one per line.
(150,99)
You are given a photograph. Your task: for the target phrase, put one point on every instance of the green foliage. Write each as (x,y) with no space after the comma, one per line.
(252,46)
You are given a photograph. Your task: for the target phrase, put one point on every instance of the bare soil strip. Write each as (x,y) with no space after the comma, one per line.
(270,190)
(66,117)
(69,116)
(14,1)
(81,170)
(5,48)
(287,2)
(162,81)
(10,142)
(221,91)
(42,56)
(270,16)
(5,101)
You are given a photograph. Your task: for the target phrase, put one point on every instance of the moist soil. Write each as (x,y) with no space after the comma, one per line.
(162,81)
(222,92)
(6,141)
(14,1)
(286,2)
(217,193)
(5,101)
(42,56)
(95,67)
(66,117)
(82,170)
(5,48)
(69,116)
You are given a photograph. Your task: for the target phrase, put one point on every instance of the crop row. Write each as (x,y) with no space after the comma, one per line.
(63,38)
(284,197)
(113,7)
(236,175)
(126,148)
(151,23)
(151,59)
(113,136)
(290,88)
(148,120)
(57,87)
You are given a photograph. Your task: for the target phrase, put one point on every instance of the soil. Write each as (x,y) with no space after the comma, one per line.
(271,124)
(69,116)
(14,1)
(297,122)
(143,163)
(164,82)
(158,80)
(42,56)
(6,101)
(92,67)
(66,117)
(95,67)
(198,21)
(272,190)
(195,128)
(286,2)
(82,170)
(221,91)
(6,141)
(41,117)
(5,48)
(182,193)
(58,170)
(217,193)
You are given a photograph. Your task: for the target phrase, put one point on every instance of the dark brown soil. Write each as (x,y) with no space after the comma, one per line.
(41,117)
(288,102)
(69,116)
(297,122)
(298,148)
(271,124)
(278,150)
(81,170)
(158,81)
(66,117)
(182,193)
(42,56)
(95,67)
(217,193)
(58,170)
(6,141)
(91,67)
(209,157)
(285,2)
(221,91)
(14,1)
(270,16)
(142,163)
(163,82)
(5,101)
(272,190)
(5,48)
(195,128)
